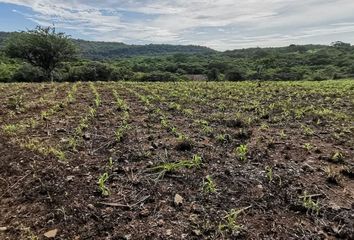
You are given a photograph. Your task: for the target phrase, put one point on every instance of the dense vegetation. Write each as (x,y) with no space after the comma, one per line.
(118,61)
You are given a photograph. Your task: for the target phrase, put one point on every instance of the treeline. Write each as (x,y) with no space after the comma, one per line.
(175,63)
(93,50)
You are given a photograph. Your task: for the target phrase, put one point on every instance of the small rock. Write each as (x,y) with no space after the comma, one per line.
(90,206)
(154,145)
(197,232)
(259,186)
(51,233)
(160,223)
(70,178)
(145,213)
(169,232)
(60,130)
(3,229)
(178,200)
(128,237)
(87,136)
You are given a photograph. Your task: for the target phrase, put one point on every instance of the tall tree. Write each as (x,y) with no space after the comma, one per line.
(42,47)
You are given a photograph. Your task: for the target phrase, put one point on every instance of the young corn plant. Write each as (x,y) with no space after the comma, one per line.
(269,173)
(164,168)
(230,221)
(337,157)
(241,152)
(332,175)
(209,185)
(310,204)
(102,184)
(308,147)
(15,103)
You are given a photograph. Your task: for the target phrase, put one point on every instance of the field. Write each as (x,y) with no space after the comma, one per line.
(194,160)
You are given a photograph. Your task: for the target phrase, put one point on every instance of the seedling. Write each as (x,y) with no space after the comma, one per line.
(241,152)
(102,184)
(163,168)
(15,103)
(337,157)
(282,134)
(307,130)
(309,204)
(230,221)
(10,129)
(264,127)
(308,147)
(209,185)
(110,163)
(332,175)
(269,173)
(223,138)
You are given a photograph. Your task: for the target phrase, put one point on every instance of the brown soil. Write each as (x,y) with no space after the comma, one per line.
(40,193)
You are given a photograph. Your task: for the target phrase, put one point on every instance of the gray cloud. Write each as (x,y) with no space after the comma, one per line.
(221,24)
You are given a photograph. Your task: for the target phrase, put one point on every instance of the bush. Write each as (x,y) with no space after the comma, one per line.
(121,74)
(92,71)
(7,71)
(28,73)
(158,77)
(236,74)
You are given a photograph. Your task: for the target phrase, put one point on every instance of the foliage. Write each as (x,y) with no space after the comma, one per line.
(102,184)
(42,47)
(103,61)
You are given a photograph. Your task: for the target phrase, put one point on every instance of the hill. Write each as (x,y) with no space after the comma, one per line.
(109,50)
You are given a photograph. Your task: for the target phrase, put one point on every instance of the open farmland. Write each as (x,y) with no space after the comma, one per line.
(194,160)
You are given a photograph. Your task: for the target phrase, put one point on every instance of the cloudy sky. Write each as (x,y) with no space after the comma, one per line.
(219,24)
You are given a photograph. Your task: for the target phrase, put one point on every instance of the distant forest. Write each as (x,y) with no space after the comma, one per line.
(105,61)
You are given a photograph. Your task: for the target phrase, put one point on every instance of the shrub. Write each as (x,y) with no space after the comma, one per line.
(28,73)
(158,77)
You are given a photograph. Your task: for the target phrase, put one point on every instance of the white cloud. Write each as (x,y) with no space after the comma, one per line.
(221,24)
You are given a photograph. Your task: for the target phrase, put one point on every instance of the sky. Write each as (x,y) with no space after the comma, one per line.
(219,24)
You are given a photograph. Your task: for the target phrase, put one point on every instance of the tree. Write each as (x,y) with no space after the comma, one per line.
(213,74)
(236,74)
(42,47)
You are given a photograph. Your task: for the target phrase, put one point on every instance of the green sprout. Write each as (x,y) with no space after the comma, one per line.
(309,204)
(230,222)
(102,184)
(163,168)
(209,185)
(241,152)
(337,157)
(269,173)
